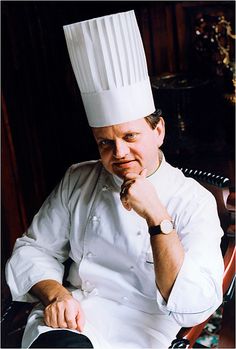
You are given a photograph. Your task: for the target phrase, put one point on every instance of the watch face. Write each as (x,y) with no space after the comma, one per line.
(166,226)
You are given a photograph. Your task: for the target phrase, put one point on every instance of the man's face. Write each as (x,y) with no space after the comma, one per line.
(130,146)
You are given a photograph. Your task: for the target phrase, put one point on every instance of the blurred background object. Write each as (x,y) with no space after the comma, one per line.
(215,43)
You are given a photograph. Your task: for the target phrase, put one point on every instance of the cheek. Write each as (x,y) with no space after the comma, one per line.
(105,157)
(154,141)
(150,149)
(159,140)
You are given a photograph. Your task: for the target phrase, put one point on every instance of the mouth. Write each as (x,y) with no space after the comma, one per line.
(123,164)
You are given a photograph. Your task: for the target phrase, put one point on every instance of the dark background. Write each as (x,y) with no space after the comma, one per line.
(44,127)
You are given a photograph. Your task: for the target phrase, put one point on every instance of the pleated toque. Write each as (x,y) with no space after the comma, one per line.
(109,63)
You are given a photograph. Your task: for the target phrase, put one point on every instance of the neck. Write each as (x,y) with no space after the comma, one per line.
(159,161)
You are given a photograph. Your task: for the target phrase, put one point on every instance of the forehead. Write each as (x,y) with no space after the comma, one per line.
(139,126)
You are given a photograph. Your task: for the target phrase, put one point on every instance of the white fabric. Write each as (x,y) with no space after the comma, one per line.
(109,64)
(113,274)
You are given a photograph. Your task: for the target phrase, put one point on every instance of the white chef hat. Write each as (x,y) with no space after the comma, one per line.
(109,63)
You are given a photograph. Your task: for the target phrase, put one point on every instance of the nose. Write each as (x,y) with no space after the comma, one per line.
(121,149)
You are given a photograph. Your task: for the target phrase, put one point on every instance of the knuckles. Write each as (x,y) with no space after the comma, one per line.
(62,314)
(71,324)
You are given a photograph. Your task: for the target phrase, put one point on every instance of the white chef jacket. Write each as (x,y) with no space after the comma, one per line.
(112,274)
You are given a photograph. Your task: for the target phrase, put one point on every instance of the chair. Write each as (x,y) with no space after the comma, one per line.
(225,197)
(15,313)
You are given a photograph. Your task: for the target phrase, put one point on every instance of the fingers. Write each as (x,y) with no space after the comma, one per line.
(79,323)
(126,205)
(80,320)
(130,189)
(64,315)
(61,321)
(134,175)
(50,317)
(125,187)
(124,194)
(129,180)
(70,319)
(47,318)
(143,173)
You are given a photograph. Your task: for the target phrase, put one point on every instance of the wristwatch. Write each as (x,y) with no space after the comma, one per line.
(166,227)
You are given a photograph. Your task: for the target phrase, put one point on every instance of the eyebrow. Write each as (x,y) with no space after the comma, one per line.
(123,135)
(101,138)
(128,132)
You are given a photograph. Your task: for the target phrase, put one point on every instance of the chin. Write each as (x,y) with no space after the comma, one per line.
(123,173)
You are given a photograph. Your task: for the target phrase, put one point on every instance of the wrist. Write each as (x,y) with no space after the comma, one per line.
(165,227)
(50,290)
(155,221)
(58,293)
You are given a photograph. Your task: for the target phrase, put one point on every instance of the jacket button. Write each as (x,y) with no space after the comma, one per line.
(131,267)
(89,254)
(94,292)
(125,299)
(139,232)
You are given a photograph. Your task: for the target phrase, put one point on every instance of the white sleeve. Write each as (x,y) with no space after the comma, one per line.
(38,255)
(197,291)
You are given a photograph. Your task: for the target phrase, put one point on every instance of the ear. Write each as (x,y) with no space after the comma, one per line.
(160,130)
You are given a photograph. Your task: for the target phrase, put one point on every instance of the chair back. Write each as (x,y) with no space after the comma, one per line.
(224,194)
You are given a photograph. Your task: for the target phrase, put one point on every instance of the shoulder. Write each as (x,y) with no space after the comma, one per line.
(187,186)
(80,178)
(83,172)
(85,167)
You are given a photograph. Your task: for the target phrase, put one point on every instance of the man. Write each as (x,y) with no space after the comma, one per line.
(143,239)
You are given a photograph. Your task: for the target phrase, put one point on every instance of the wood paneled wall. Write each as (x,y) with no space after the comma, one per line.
(44,124)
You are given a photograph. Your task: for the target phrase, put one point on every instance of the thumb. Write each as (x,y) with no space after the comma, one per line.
(143,173)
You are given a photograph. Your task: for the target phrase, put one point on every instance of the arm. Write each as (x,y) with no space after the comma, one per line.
(61,309)
(139,194)
(196,290)
(40,252)
(168,257)
(35,269)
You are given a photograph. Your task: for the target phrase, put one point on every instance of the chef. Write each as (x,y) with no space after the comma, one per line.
(144,240)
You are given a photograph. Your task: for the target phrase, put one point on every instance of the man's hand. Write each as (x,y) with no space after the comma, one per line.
(61,309)
(64,312)
(139,194)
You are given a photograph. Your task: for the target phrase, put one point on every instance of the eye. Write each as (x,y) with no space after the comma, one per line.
(131,137)
(104,142)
